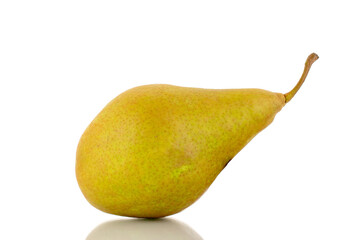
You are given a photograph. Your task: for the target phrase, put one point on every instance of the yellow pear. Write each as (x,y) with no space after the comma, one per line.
(155,149)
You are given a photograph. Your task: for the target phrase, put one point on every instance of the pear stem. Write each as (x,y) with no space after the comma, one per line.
(309,61)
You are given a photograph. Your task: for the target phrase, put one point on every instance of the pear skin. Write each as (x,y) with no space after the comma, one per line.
(155,149)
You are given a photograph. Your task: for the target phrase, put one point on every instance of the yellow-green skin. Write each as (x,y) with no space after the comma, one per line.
(155,149)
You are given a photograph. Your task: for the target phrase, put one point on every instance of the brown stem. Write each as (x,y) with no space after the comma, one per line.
(309,61)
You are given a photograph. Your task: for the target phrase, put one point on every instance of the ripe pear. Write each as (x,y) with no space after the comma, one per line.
(155,149)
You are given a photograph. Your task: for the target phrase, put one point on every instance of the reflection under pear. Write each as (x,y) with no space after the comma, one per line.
(141,229)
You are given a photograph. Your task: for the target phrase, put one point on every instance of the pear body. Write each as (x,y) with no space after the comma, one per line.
(155,149)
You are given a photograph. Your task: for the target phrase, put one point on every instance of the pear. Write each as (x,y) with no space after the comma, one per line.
(155,149)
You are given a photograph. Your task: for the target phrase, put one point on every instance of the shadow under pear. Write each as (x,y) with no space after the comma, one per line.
(141,229)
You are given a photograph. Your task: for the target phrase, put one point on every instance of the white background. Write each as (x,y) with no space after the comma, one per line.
(62,61)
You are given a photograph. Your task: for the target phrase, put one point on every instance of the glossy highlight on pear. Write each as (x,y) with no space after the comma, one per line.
(155,149)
